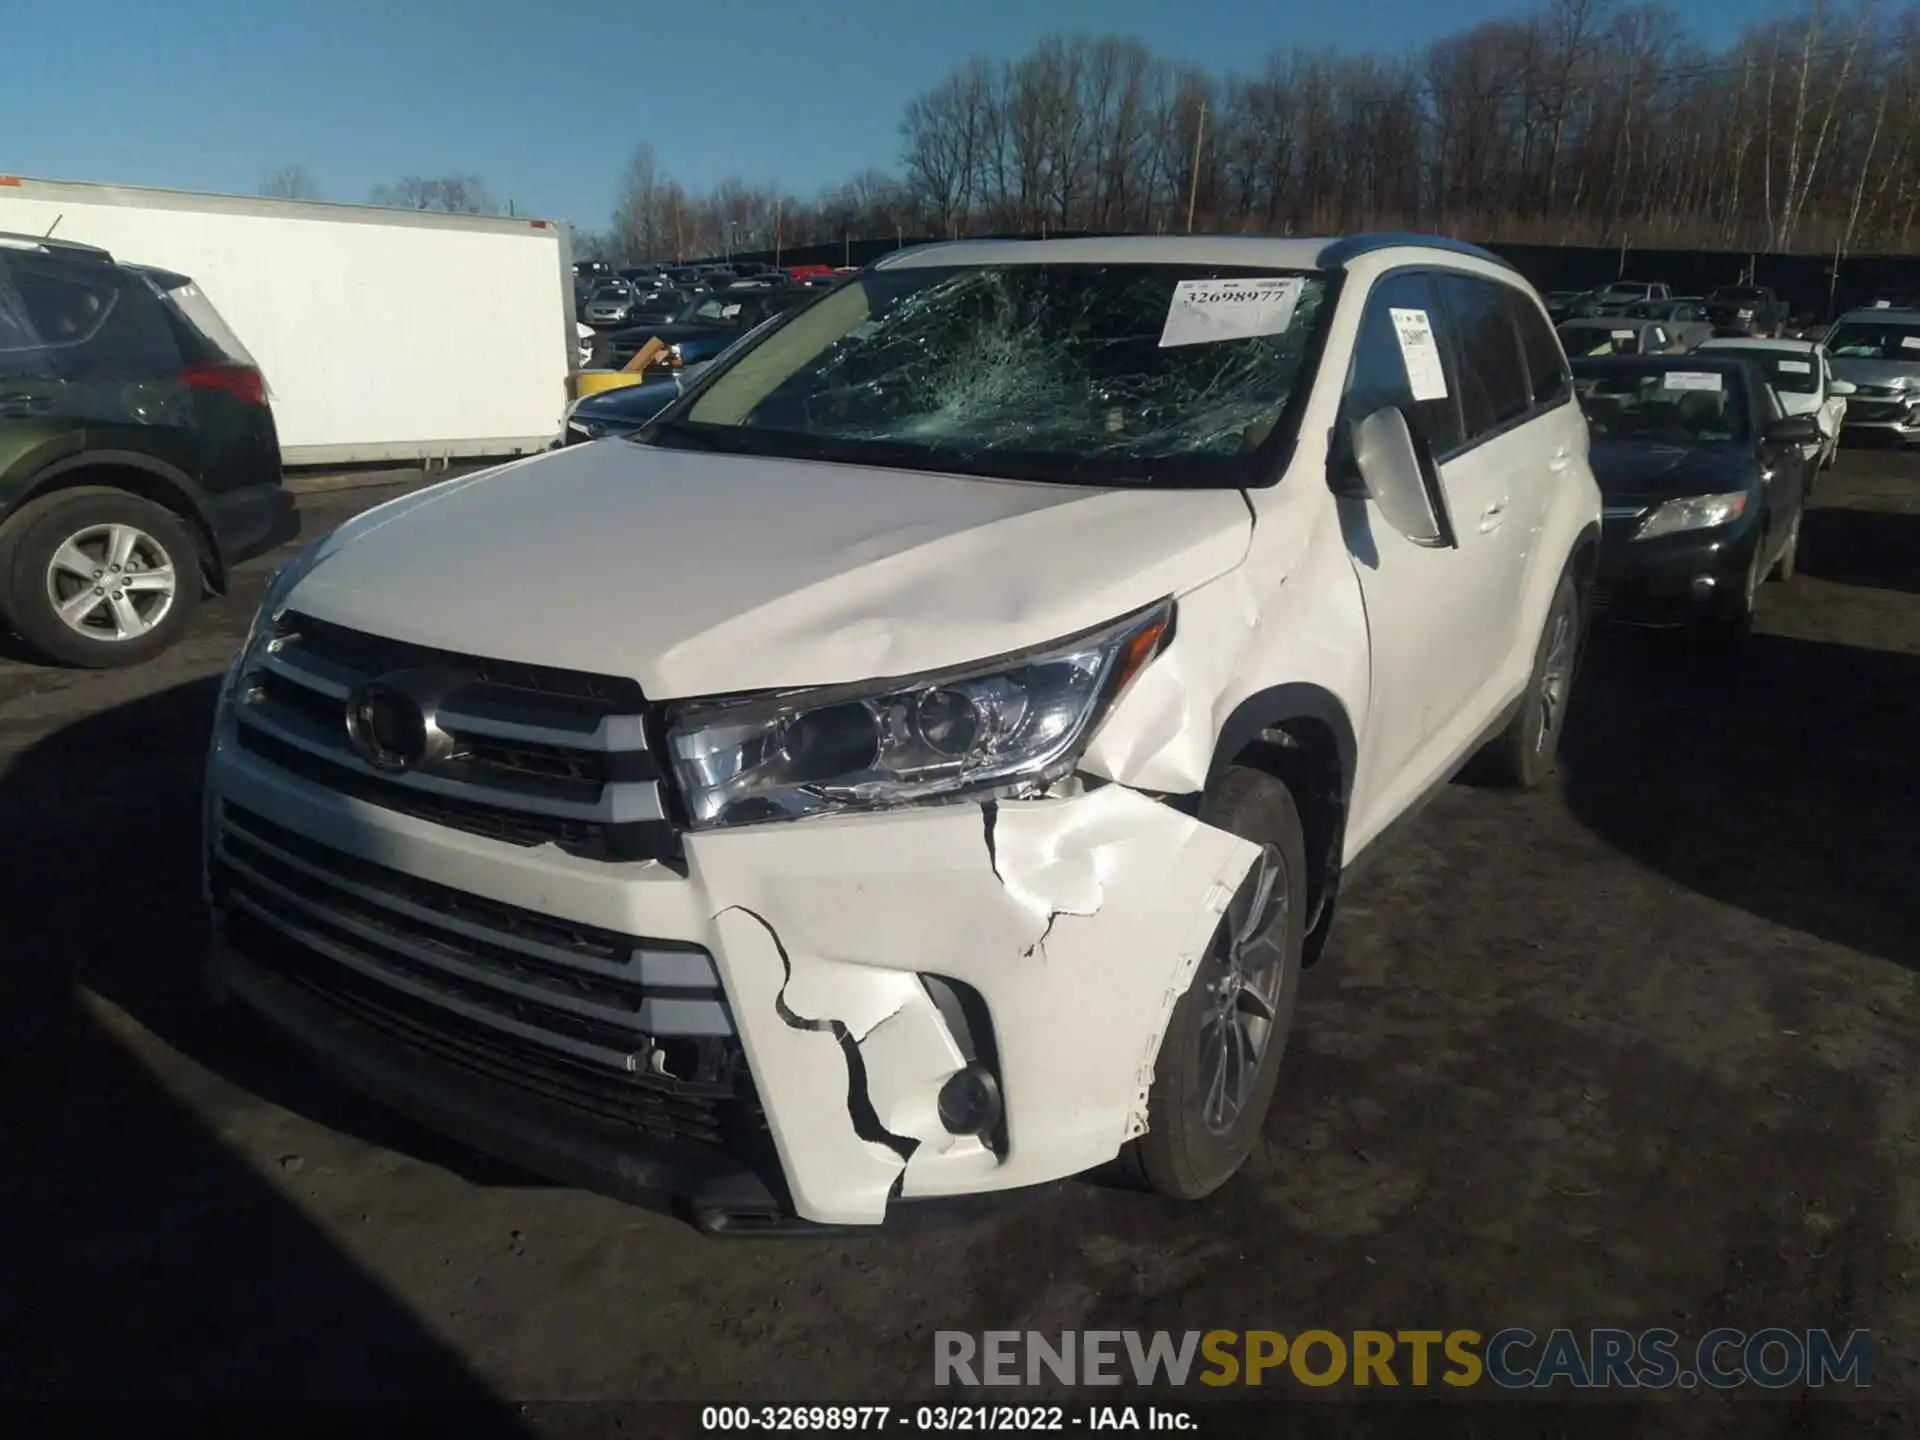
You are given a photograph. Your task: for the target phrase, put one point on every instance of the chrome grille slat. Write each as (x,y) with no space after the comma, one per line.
(479,1014)
(646,1020)
(620,802)
(588,965)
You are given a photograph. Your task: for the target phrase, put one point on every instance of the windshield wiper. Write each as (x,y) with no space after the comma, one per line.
(697,436)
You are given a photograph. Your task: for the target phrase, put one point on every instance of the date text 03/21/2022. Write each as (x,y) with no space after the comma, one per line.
(935,1419)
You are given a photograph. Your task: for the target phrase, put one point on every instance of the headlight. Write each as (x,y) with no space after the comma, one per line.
(1016,722)
(1693,512)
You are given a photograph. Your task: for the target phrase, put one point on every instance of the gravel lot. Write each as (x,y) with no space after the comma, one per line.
(1640,1049)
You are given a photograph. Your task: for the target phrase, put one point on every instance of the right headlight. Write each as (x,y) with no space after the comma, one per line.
(1016,722)
(1693,512)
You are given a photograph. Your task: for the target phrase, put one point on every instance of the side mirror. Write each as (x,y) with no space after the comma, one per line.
(1400,478)
(1795,430)
(1842,387)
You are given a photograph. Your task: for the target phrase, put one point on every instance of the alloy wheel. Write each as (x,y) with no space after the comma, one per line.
(111,582)
(1556,679)
(1238,1025)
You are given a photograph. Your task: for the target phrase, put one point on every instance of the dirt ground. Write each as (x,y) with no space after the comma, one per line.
(1639,1049)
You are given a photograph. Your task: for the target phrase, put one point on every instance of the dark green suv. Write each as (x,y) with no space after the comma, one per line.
(138,456)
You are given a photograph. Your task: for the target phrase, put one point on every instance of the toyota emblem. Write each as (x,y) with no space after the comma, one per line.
(393,722)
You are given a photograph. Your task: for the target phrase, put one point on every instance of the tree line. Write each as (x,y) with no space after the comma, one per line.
(1578,122)
(1595,122)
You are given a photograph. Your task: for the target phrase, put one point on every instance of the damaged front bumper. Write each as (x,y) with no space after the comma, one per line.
(862,961)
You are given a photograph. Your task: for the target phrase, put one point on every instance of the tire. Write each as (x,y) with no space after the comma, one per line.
(1523,755)
(1193,1145)
(82,530)
(1789,560)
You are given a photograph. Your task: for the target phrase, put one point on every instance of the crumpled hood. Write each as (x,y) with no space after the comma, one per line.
(701,574)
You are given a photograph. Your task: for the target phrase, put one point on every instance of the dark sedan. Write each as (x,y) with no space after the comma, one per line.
(707,326)
(613,413)
(1704,480)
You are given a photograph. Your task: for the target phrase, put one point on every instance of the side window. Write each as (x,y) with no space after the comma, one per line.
(85,320)
(1547,373)
(1383,370)
(1493,378)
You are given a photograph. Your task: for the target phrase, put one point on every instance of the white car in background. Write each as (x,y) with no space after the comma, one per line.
(1800,374)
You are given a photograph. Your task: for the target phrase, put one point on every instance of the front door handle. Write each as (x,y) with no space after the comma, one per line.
(1560,461)
(1493,517)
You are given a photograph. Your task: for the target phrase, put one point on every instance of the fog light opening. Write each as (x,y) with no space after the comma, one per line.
(970,1101)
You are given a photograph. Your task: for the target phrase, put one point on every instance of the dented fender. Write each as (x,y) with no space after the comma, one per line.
(1077,919)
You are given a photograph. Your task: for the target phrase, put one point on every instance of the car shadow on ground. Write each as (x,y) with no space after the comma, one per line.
(1875,549)
(1777,779)
(145,1257)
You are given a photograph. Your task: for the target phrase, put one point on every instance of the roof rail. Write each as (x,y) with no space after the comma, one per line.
(1343,252)
(47,245)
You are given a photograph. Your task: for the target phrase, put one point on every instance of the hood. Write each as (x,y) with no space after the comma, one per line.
(1879,372)
(703,574)
(1644,470)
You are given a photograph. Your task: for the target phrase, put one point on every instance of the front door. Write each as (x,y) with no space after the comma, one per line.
(1429,608)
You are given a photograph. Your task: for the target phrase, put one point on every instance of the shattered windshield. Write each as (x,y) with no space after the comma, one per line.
(1093,374)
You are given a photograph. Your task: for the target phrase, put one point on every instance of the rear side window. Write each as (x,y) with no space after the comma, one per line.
(1547,374)
(82,320)
(1383,370)
(1494,389)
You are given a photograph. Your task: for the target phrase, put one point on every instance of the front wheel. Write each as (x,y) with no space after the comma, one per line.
(101,579)
(1789,560)
(1220,1059)
(1524,754)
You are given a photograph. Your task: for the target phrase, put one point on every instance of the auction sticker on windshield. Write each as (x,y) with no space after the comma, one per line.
(1910,342)
(1425,375)
(1690,380)
(1796,367)
(1204,311)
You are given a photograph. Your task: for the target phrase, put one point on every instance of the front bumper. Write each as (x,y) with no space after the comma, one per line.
(1675,579)
(1897,422)
(1076,922)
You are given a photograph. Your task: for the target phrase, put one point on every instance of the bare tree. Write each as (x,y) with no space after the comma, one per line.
(1597,121)
(455,194)
(290,182)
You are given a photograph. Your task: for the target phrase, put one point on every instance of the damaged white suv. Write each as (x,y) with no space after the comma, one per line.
(920,762)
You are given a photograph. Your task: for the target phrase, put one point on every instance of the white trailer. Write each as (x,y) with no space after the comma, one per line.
(384,334)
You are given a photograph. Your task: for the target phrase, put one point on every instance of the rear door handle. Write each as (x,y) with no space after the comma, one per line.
(1560,461)
(1493,517)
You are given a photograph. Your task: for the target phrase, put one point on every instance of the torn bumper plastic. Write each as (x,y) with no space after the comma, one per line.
(1076,922)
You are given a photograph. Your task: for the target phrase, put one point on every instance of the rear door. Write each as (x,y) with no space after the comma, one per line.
(1428,607)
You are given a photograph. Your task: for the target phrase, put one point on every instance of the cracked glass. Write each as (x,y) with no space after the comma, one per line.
(1048,372)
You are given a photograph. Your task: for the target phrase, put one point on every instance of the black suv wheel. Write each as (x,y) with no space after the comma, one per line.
(99,578)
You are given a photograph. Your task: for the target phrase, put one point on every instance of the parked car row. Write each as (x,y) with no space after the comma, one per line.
(636,294)
(1732,310)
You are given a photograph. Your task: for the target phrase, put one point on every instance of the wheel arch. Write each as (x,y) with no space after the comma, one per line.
(1301,734)
(135,474)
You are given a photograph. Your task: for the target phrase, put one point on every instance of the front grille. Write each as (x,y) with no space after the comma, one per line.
(1877,410)
(537,755)
(626,1029)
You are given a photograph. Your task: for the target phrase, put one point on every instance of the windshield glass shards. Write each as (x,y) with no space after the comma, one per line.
(1081,373)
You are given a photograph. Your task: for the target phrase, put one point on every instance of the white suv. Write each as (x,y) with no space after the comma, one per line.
(921,762)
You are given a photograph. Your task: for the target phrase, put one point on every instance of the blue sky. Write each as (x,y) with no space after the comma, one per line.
(210,94)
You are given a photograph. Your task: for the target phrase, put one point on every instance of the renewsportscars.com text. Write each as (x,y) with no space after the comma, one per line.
(1511,1359)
